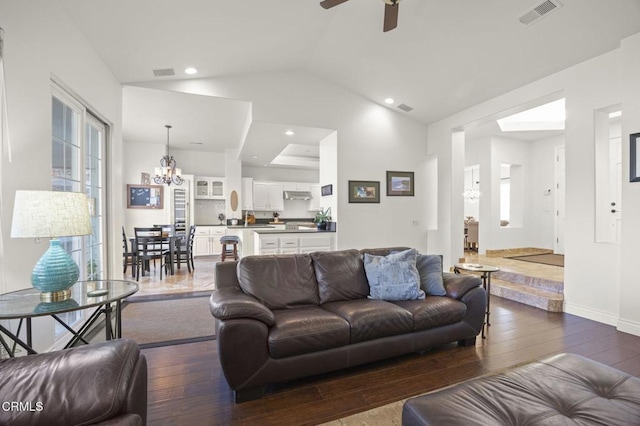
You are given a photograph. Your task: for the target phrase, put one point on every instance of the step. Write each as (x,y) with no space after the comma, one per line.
(537,283)
(520,251)
(547,300)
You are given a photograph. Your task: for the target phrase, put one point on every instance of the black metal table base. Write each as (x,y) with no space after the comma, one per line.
(78,336)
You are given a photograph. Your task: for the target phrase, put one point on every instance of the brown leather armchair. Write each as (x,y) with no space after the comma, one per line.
(102,383)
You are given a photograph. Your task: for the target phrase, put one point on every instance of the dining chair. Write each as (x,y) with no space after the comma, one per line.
(128,256)
(150,245)
(170,232)
(186,251)
(472,235)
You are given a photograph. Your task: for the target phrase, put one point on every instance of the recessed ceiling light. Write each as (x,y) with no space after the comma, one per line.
(191,71)
(195,143)
(389,101)
(289,133)
(255,157)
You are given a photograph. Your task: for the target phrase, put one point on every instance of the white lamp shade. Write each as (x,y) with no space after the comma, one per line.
(50,214)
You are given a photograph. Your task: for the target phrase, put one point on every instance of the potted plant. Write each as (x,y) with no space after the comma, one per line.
(322,218)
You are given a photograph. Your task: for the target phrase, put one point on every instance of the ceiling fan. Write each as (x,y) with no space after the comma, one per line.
(390,11)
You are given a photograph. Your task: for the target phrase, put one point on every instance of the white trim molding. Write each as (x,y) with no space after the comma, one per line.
(631,327)
(590,313)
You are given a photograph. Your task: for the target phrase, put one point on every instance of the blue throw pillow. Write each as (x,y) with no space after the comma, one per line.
(393,277)
(430,269)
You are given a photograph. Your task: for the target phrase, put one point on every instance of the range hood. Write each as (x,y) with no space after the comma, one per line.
(297,195)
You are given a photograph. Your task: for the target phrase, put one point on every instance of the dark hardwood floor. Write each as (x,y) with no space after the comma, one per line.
(186,385)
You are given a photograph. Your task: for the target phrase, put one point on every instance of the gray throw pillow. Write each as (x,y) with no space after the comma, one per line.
(430,270)
(393,277)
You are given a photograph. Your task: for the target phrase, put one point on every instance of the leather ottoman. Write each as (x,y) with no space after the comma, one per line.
(565,389)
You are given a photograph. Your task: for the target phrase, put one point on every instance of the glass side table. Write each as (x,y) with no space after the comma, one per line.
(485,273)
(26,304)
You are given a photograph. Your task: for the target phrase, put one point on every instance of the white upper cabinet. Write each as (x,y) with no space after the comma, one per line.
(268,196)
(247,193)
(315,204)
(210,188)
(296,186)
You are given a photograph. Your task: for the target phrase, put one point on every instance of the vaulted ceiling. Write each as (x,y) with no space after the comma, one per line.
(443,57)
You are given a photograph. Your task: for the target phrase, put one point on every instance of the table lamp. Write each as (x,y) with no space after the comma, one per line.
(52,214)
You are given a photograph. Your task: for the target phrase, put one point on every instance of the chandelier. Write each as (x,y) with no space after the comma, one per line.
(472,194)
(167,173)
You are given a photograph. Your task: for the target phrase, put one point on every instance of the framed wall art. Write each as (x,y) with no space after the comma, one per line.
(364,191)
(145,197)
(634,157)
(400,184)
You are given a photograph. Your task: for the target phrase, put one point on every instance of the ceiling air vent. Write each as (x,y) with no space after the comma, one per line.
(164,72)
(405,108)
(538,11)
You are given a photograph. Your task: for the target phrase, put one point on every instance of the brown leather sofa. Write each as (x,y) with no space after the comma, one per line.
(306,314)
(98,384)
(564,389)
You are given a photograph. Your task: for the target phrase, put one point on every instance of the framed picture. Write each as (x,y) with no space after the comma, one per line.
(145,197)
(364,191)
(634,157)
(400,184)
(326,190)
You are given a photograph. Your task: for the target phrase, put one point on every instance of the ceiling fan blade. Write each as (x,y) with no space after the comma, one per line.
(327,4)
(390,17)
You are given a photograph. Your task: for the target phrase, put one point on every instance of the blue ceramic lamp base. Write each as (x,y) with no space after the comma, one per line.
(55,273)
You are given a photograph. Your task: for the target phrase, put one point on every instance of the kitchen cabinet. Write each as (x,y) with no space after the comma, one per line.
(267,196)
(295,186)
(315,204)
(206,241)
(288,243)
(247,194)
(210,188)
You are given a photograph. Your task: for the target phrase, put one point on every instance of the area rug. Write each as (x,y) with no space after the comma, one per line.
(164,322)
(545,259)
(391,414)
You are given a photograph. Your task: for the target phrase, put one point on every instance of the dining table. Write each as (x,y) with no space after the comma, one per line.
(173,242)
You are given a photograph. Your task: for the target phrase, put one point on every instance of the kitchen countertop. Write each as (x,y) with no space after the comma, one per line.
(210,224)
(254,226)
(291,231)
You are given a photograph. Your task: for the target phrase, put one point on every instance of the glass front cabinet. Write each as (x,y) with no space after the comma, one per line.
(210,188)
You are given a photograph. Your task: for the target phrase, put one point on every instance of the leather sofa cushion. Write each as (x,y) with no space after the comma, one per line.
(280,282)
(565,389)
(83,385)
(340,275)
(305,330)
(434,311)
(372,319)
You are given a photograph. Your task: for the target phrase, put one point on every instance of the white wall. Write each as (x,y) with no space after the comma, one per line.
(517,234)
(629,265)
(592,272)
(371,140)
(41,42)
(279,174)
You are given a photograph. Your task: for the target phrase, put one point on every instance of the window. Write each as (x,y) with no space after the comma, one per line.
(78,147)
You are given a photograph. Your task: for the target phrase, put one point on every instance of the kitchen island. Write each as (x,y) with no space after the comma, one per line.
(268,239)
(286,241)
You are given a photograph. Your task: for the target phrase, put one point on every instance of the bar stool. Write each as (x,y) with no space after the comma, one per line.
(229,246)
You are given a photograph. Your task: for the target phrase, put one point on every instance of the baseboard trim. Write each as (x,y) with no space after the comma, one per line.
(590,313)
(631,327)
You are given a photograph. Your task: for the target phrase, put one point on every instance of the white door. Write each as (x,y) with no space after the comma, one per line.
(559,172)
(615,188)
